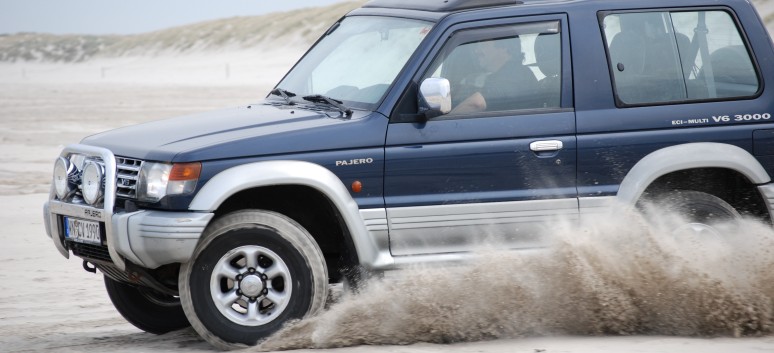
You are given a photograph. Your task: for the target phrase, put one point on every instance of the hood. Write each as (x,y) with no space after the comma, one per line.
(255,130)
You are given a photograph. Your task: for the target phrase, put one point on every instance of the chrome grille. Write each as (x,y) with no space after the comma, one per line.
(127,174)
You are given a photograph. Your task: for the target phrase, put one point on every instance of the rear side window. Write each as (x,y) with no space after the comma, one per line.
(672,57)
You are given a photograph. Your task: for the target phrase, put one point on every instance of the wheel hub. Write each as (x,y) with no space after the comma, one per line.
(252,285)
(697,230)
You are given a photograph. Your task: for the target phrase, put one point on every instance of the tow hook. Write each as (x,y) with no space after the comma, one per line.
(89,267)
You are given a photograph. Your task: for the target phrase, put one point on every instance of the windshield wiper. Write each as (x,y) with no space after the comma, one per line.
(286,95)
(319,98)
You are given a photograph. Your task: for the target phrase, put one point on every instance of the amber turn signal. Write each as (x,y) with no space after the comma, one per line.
(185,171)
(357,186)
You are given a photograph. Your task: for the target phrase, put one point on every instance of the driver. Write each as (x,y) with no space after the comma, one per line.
(508,83)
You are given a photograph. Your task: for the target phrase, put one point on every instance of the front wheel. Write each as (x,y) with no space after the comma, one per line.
(251,273)
(146,308)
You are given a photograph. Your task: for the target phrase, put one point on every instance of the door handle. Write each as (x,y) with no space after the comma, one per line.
(546,146)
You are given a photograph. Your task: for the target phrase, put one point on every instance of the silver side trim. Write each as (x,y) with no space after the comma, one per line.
(596,205)
(376,223)
(374,219)
(479,213)
(269,173)
(452,258)
(440,229)
(688,156)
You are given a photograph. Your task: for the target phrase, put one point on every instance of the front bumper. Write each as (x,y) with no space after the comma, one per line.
(147,238)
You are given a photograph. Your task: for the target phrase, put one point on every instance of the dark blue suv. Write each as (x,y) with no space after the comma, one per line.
(406,134)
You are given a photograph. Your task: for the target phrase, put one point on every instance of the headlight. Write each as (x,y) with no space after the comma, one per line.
(160,179)
(91,182)
(64,175)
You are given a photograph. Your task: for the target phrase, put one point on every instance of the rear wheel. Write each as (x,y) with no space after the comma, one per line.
(145,308)
(251,273)
(700,214)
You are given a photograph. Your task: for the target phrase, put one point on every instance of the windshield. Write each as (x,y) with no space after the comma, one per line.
(357,61)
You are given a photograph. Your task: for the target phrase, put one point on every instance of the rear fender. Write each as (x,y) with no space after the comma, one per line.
(688,156)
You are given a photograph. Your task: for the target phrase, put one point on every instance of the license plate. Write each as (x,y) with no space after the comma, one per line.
(82,231)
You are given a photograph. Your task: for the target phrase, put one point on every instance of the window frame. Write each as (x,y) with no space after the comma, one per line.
(567,104)
(474,36)
(737,24)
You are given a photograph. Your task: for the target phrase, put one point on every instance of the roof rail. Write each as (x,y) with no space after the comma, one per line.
(439,5)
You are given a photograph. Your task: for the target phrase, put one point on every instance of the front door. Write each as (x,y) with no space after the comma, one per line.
(503,162)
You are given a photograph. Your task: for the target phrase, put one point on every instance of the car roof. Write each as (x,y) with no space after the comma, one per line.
(439,5)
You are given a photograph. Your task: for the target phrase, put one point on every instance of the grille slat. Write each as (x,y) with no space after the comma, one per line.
(135,169)
(127,174)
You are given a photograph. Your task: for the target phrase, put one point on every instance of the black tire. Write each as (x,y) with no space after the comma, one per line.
(146,308)
(698,210)
(252,272)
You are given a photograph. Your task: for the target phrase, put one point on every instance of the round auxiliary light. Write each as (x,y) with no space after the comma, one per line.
(91,182)
(62,171)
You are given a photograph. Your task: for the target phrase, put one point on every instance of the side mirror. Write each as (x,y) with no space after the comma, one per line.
(435,97)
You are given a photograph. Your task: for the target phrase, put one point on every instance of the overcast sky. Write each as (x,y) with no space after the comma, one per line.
(129,16)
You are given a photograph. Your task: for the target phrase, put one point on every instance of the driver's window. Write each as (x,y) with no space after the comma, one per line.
(502,68)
